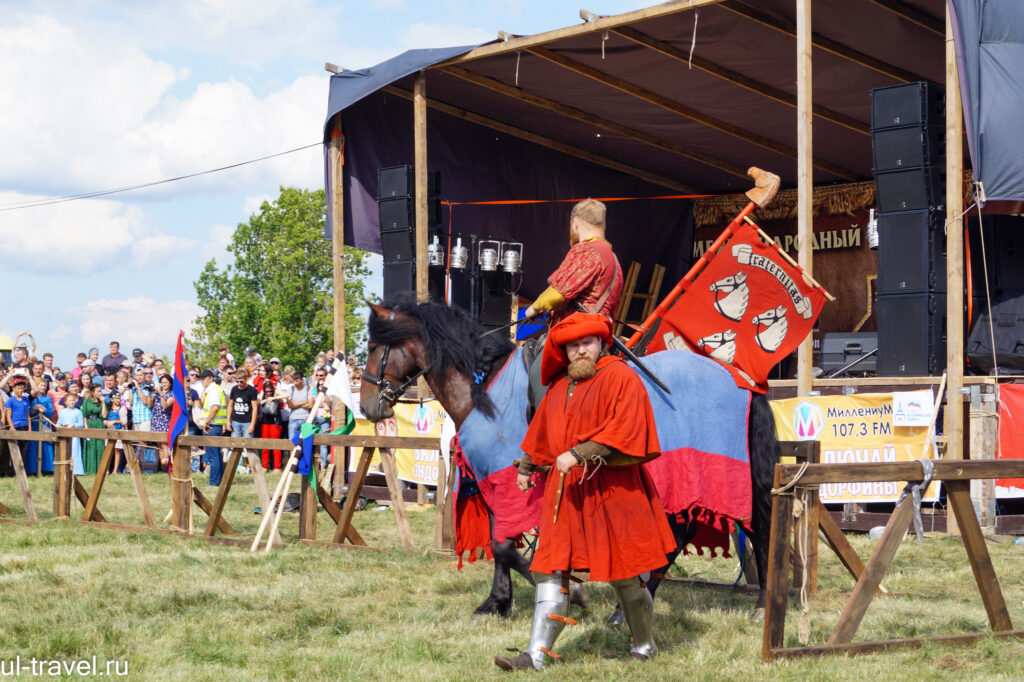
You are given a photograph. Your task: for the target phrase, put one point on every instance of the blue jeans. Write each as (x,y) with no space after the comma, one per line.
(240,430)
(324,424)
(194,430)
(213,458)
(294,427)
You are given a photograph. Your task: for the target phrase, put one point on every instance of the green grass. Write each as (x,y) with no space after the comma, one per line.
(179,609)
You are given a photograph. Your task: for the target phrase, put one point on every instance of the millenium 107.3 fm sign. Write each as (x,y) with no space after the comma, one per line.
(856,429)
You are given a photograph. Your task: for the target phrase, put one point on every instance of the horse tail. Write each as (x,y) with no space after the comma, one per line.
(764,455)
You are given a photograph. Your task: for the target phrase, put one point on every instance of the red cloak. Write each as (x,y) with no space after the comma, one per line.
(610,520)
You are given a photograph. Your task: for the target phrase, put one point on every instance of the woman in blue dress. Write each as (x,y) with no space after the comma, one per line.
(43,413)
(71,417)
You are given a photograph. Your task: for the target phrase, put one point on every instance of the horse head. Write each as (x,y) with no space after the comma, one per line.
(395,359)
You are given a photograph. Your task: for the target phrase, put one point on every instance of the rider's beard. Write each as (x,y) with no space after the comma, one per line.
(582,368)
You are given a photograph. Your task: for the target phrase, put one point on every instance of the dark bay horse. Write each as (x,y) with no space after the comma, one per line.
(447,348)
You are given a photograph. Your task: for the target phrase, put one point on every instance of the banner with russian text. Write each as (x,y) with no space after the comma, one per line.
(853,429)
(410,420)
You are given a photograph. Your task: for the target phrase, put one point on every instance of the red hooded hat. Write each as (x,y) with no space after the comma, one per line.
(576,326)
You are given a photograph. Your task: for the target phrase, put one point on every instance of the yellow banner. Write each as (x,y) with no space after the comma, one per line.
(852,429)
(420,420)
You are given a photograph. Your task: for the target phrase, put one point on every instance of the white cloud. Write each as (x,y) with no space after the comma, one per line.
(253,203)
(138,321)
(426,35)
(216,245)
(159,249)
(83,236)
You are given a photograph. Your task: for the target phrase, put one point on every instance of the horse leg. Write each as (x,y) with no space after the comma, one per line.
(764,455)
(506,559)
(683,530)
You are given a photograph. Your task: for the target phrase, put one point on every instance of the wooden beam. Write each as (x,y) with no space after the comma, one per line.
(355,485)
(805,176)
(683,110)
(307,508)
(548,142)
(62,472)
(334,511)
(954,425)
(737,78)
(419,116)
(83,498)
(204,504)
(945,470)
(959,495)
(336,161)
(19,474)
(591,119)
(181,484)
(832,46)
(871,578)
(855,648)
(912,15)
(97,483)
(259,479)
(779,553)
(597,26)
(222,492)
(135,470)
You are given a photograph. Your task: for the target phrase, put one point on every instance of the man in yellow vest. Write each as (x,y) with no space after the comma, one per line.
(214,419)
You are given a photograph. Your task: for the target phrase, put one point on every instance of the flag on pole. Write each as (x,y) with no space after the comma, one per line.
(749,308)
(338,387)
(179,411)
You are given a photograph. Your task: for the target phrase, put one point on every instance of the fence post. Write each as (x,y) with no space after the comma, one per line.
(307,510)
(181,488)
(62,473)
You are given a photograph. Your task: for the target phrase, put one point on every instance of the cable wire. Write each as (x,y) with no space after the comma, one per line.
(105,192)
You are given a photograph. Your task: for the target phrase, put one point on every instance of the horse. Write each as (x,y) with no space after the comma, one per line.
(409,340)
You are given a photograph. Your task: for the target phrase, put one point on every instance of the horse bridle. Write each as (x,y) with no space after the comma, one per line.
(386,389)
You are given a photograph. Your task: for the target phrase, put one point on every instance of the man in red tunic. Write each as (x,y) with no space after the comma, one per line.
(601,513)
(590,272)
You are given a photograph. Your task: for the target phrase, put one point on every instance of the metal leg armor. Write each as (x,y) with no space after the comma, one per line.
(548,615)
(638,608)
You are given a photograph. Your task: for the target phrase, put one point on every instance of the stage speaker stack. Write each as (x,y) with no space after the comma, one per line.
(909,158)
(997,338)
(396,206)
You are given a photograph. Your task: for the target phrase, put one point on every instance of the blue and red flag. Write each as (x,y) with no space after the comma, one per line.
(179,412)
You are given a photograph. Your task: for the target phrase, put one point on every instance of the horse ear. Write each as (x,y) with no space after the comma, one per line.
(378,310)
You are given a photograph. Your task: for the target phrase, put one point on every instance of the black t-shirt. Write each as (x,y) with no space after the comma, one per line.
(241,400)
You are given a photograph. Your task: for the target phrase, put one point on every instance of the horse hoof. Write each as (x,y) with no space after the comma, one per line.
(757,615)
(489,609)
(616,618)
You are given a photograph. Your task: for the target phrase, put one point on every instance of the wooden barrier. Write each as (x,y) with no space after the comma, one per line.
(184,495)
(956,476)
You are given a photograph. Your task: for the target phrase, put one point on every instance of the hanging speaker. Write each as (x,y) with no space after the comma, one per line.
(911,253)
(911,189)
(907,104)
(911,334)
(400,181)
(896,148)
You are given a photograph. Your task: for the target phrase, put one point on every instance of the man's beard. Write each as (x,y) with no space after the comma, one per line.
(582,368)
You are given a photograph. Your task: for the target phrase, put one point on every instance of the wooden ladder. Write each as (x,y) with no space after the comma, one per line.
(629,295)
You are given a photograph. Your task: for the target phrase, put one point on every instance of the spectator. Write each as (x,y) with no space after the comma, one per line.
(158,369)
(213,421)
(76,371)
(112,360)
(243,407)
(223,353)
(21,360)
(162,403)
(75,390)
(117,419)
(71,418)
(262,376)
(322,416)
(251,354)
(59,390)
(222,365)
(16,415)
(141,399)
(330,356)
(193,403)
(94,355)
(321,362)
(94,411)
(300,400)
(43,415)
(138,359)
(270,423)
(48,366)
(274,365)
(36,380)
(149,359)
(227,380)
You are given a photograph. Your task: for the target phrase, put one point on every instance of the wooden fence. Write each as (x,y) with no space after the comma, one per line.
(184,494)
(795,482)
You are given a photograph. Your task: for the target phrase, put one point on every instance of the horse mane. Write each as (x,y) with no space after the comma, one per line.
(453,340)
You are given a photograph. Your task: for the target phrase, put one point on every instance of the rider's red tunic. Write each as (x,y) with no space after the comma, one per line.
(610,520)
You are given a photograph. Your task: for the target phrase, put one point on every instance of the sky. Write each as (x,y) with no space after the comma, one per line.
(103,95)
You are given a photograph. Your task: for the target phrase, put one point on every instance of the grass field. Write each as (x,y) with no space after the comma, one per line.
(179,609)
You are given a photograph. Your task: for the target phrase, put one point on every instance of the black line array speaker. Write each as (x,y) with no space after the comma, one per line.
(908,153)
(911,334)
(1006,333)
(400,277)
(911,253)
(400,181)
(400,213)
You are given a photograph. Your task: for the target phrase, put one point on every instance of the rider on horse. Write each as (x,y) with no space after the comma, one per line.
(601,513)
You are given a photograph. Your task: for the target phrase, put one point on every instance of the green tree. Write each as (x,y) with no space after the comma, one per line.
(278,294)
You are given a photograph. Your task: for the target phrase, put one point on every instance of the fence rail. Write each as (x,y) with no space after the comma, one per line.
(184,494)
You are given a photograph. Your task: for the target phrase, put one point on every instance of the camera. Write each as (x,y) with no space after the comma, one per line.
(147,385)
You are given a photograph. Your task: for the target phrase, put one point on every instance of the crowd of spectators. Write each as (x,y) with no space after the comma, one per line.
(247,399)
